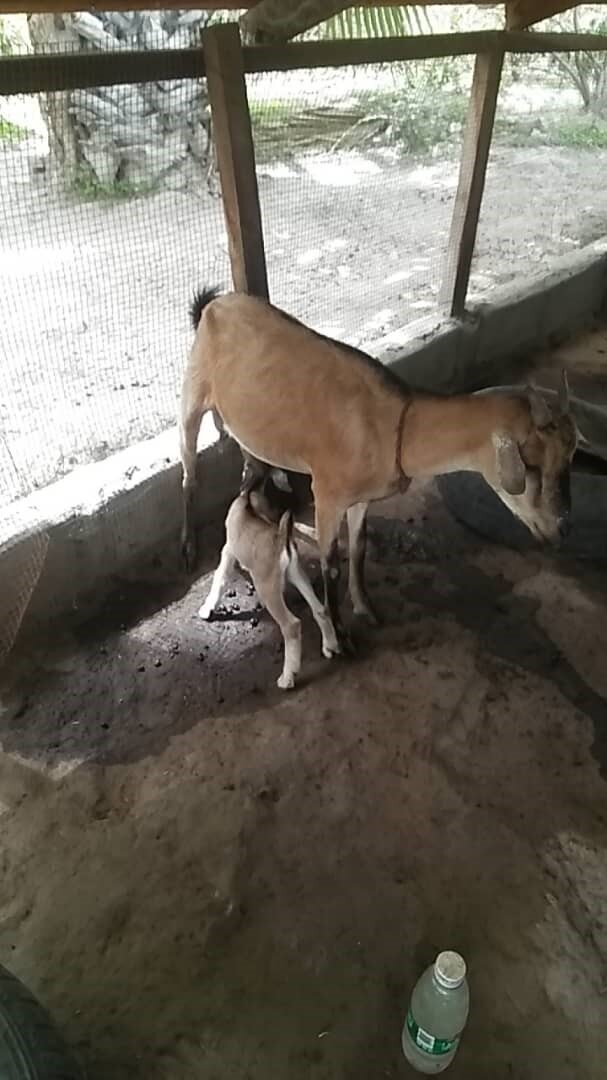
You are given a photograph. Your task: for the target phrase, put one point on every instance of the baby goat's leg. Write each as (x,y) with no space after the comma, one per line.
(226,565)
(357,544)
(299,578)
(271,593)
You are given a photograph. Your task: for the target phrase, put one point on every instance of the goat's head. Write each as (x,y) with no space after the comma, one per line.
(531,464)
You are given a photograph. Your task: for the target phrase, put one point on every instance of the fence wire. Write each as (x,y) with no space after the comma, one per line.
(101,248)
(545,195)
(357,174)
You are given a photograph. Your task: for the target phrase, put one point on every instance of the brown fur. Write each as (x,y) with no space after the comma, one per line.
(299,401)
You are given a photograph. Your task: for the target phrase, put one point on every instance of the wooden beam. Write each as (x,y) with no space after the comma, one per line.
(64,7)
(60,7)
(523,13)
(523,41)
(235,157)
(355,51)
(473,168)
(38,73)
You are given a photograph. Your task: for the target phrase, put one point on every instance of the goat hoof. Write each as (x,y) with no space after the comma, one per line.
(329,651)
(346,645)
(205,612)
(286,681)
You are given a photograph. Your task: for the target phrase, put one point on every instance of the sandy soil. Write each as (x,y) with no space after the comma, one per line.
(95,295)
(205,878)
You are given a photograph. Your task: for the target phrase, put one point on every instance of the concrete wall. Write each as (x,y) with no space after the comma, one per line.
(68,546)
(484,349)
(84,533)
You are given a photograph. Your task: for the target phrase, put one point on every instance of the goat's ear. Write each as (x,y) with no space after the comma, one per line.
(510,465)
(564,403)
(540,410)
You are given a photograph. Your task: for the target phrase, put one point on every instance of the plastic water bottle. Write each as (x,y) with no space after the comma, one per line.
(437,1015)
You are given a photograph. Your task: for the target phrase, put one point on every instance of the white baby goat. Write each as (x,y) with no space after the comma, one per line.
(261,540)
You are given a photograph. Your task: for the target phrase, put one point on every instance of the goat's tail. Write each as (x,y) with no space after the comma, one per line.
(200,300)
(285,530)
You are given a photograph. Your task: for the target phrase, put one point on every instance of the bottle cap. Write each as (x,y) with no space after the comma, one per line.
(450,970)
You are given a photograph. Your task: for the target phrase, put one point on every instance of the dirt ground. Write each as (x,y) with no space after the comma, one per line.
(95,294)
(206,878)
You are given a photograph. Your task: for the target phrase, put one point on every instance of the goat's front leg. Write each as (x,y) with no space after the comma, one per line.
(357,546)
(226,565)
(328,520)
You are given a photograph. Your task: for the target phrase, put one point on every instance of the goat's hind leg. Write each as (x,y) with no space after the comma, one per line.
(188,440)
(271,595)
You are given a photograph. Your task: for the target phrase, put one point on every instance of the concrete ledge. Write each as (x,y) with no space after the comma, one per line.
(461,357)
(67,545)
(64,548)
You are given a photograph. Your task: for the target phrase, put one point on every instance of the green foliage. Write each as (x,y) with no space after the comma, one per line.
(570,132)
(89,189)
(9,132)
(411,125)
(586,71)
(415,124)
(375,22)
(5,40)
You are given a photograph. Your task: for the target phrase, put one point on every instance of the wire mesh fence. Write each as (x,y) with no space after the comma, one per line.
(357,174)
(100,252)
(109,220)
(545,194)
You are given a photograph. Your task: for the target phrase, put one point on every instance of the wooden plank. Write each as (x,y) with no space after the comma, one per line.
(15,7)
(473,168)
(354,52)
(38,73)
(235,157)
(521,41)
(33,74)
(523,13)
(61,7)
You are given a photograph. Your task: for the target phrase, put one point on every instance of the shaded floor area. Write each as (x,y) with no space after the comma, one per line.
(206,878)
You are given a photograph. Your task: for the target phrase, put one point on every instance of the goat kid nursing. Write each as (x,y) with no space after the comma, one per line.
(301,402)
(260,538)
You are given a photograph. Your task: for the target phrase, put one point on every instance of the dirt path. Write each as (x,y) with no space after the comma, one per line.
(94,296)
(207,879)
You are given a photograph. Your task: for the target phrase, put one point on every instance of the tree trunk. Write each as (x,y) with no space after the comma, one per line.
(279,20)
(129,137)
(49,33)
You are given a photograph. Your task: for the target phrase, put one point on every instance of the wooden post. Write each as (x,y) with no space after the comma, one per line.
(235,157)
(472,170)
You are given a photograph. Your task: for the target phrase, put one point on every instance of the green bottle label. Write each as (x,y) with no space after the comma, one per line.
(426,1042)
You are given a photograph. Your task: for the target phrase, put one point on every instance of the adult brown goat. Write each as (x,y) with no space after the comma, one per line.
(302,402)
